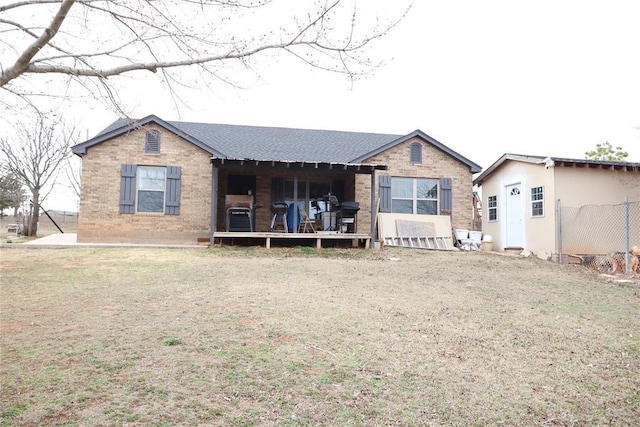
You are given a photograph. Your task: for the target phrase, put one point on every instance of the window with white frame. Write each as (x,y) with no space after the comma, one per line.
(537,202)
(414,196)
(150,188)
(492,208)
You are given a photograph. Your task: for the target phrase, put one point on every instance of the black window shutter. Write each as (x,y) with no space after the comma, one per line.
(127,188)
(277,190)
(446,196)
(172,196)
(384,185)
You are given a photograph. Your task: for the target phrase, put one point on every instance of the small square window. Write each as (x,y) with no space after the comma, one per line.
(492,208)
(537,202)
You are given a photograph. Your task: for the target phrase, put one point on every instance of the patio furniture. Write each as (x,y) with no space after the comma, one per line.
(306,225)
(279,220)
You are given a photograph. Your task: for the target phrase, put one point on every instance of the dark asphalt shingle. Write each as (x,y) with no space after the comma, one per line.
(280,144)
(276,144)
(285,144)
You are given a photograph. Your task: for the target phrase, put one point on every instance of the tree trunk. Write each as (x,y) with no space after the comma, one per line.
(32,230)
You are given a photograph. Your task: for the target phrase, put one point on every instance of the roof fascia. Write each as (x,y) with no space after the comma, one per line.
(473,167)
(507,156)
(81,148)
(557,161)
(561,161)
(292,166)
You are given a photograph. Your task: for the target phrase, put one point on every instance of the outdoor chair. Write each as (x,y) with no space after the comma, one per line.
(306,224)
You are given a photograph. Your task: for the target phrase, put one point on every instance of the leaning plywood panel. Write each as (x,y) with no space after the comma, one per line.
(415,228)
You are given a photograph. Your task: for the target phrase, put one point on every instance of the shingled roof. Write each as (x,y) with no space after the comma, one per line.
(272,143)
(556,162)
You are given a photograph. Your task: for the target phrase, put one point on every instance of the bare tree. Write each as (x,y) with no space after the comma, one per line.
(84,43)
(35,156)
(73,172)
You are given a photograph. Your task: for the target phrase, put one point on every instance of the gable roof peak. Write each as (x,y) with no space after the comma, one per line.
(124,125)
(275,143)
(473,167)
(550,161)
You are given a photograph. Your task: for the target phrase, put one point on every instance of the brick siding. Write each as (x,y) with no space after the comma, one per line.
(100,219)
(435,164)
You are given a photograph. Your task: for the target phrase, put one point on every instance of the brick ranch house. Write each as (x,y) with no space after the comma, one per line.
(166,182)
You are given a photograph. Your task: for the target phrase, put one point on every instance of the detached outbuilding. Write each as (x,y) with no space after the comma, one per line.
(170,182)
(521,194)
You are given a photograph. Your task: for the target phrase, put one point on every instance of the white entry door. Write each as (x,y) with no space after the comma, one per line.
(515,223)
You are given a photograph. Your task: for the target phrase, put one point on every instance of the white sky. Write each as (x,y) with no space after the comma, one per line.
(550,77)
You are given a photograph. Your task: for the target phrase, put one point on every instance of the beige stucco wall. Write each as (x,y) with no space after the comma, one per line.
(574,186)
(539,232)
(435,164)
(591,186)
(100,219)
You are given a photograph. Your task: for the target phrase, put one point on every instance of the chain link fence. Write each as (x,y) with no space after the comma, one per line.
(601,237)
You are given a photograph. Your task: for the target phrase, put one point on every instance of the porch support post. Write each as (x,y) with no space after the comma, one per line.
(214,202)
(373,207)
(295,204)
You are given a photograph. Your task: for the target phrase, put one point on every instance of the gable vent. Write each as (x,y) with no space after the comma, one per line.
(152,142)
(415,153)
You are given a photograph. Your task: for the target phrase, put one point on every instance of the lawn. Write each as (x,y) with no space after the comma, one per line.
(288,337)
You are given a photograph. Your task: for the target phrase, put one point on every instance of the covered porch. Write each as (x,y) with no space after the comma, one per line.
(317,239)
(311,192)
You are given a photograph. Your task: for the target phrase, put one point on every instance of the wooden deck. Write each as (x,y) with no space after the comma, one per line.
(317,239)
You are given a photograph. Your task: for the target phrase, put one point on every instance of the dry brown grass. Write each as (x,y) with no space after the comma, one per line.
(291,337)
(67,221)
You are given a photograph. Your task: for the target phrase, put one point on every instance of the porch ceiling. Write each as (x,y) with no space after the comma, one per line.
(292,166)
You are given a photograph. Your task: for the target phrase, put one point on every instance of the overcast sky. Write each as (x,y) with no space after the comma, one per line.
(550,78)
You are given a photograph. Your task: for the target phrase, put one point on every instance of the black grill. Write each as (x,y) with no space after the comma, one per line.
(279,220)
(279,208)
(348,216)
(350,208)
(239,212)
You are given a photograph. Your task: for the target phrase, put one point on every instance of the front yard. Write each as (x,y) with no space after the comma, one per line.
(112,336)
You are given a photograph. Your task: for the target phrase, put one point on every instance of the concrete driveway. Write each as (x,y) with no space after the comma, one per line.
(71,239)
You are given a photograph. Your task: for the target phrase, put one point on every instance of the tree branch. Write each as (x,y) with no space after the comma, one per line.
(25,3)
(106,38)
(154,66)
(22,63)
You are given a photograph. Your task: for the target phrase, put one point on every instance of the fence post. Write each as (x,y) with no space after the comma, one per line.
(559,231)
(626,235)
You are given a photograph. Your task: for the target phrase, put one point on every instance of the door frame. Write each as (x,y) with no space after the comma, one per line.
(514,215)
